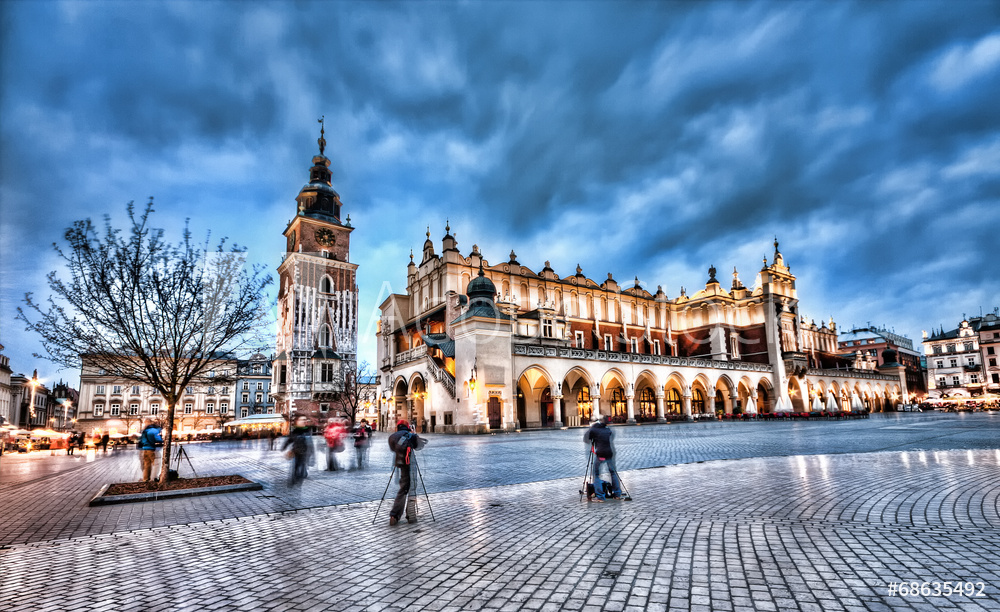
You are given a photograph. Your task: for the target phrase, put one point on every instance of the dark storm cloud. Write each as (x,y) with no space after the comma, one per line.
(646,138)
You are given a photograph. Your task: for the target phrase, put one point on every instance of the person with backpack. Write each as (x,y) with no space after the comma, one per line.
(600,438)
(148,440)
(300,451)
(403,443)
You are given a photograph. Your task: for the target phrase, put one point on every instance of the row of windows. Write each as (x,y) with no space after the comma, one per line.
(115,409)
(136,389)
(246,385)
(952,347)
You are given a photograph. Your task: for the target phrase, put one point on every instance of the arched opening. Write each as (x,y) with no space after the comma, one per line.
(546,412)
(764,403)
(672,402)
(697,401)
(584,407)
(646,405)
(418,417)
(617,409)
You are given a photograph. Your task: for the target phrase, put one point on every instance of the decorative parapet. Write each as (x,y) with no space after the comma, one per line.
(615,357)
(411,355)
(851,374)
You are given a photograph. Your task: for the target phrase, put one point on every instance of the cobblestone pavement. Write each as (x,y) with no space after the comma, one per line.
(812,516)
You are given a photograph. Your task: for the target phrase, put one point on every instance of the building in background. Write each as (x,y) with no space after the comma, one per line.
(253,386)
(317,301)
(108,404)
(63,407)
(959,361)
(6,405)
(30,401)
(864,346)
(475,347)
(989,344)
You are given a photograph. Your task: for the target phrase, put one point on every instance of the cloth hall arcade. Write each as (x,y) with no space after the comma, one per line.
(473,347)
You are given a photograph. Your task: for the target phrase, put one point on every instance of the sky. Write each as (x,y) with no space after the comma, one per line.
(641,139)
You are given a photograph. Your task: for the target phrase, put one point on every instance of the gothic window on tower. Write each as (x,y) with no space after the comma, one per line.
(326,285)
(324,336)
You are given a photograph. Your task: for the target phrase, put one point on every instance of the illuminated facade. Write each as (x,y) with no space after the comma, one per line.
(962,362)
(474,347)
(317,302)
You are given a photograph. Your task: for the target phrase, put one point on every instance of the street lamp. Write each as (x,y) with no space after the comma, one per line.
(31,404)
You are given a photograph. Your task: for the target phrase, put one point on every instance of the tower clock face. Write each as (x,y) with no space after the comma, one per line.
(325,237)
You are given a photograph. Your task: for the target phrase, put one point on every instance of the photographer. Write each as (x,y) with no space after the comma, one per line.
(600,438)
(403,443)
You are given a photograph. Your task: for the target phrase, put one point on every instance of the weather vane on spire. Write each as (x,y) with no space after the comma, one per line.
(322,133)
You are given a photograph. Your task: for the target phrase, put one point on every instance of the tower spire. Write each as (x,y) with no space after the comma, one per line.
(322,134)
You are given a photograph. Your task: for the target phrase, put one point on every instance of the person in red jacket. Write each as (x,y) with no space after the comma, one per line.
(334,434)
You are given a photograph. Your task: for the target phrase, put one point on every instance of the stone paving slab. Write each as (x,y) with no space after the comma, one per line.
(63,485)
(827,532)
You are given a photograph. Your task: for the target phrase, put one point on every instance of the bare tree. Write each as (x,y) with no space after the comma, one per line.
(157,314)
(356,376)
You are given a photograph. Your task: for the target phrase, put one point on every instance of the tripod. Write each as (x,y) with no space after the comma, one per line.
(183,453)
(420,478)
(588,474)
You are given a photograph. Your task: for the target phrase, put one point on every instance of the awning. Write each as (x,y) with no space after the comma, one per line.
(256,419)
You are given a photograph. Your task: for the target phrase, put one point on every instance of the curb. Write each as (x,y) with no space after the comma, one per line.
(105,500)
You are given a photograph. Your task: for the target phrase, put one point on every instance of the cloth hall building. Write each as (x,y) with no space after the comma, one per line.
(474,347)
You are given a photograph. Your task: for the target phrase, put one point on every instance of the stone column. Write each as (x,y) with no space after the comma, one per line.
(557,411)
(687,404)
(710,407)
(733,398)
(659,406)
(630,408)
(595,400)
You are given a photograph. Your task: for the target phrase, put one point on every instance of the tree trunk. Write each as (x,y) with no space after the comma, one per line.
(168,434)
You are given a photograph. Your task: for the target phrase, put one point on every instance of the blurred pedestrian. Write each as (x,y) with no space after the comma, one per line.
(148,441)
(104,442)
(600,438)
(362,436)
(300,451)
(334,435)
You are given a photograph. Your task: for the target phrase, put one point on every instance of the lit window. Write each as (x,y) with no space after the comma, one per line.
(98,410)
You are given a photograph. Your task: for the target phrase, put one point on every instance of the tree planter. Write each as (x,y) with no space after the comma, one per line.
(129,492)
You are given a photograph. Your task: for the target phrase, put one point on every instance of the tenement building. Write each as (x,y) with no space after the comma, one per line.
(962,362)
(317,301)
(111,403)
(476,347)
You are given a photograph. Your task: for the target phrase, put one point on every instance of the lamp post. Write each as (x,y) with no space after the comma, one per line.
(31,403)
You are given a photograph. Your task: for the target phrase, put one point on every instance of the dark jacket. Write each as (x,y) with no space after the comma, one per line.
(600,436)
(298,439)
(149,437)
(402,443)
